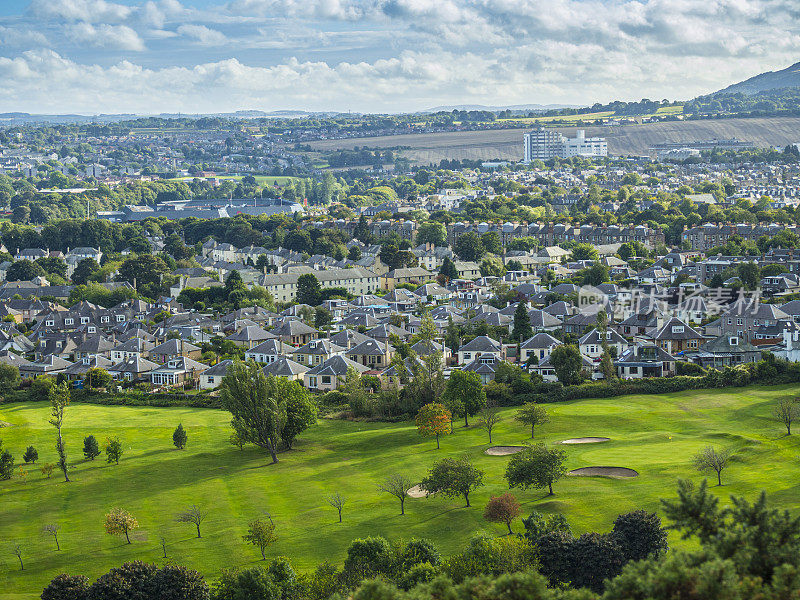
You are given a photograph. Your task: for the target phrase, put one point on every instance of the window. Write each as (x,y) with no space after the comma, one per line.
(104,319)
(740,321)
(734,341)
(312,382)
(49,323)
(67,322)
(120,318)
(467,355)
(92,329)
(326,379)
(84,320)
(210,379)
(677,329)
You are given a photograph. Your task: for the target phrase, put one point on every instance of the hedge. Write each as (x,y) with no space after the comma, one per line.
(127,399)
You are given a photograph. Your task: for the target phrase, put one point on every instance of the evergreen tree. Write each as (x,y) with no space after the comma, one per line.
(91,449)
(522,323)
(179,437)
(448,269)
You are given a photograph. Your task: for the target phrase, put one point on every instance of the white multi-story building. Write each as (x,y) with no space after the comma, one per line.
(542,144)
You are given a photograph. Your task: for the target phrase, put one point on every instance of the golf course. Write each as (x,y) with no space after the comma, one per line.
(654,436)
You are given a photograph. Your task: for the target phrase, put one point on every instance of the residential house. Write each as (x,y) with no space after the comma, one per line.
(649,360)
(479,346)
(328,375)
(177,371)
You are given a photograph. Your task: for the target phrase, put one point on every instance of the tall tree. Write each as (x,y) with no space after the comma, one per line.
(522,323)
(432,232)
(567,363)
(448,269)
(488,418)
(464,394)
(257,404)
(59,400)
(428,384)
(469,247)
(309,290)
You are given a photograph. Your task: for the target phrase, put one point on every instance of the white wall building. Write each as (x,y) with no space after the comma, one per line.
(542,144)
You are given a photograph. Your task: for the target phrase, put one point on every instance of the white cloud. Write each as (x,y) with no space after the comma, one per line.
(95,11)
(203,35)
(119,37)
(15,37)
(396,54)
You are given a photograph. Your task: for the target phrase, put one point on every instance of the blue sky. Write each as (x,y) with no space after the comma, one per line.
(151,56)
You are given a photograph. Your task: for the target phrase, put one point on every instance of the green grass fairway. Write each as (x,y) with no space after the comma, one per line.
(656,435)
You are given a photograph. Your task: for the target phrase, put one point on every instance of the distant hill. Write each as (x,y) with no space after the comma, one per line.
(520,107)
(771,80)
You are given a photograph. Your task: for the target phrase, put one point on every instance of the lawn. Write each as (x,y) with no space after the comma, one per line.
(656,435)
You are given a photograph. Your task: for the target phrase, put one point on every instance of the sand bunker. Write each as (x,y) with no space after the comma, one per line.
(613,472)
(416,492)
(586,440)
(503,450)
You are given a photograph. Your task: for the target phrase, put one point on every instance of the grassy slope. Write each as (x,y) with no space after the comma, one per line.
(655,435)
(630,139)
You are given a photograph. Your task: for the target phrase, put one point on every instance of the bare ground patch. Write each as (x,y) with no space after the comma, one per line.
(586,440)
(417,492)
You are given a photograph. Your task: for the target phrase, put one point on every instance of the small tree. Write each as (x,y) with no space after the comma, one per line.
(52,529)
(260,533)
(502,509)
(397,485)
(537,466)
(31,455)
(91,449)
(337,501)
(787,411)
(47,469)
(235,440)
(434,420)
(113,450)
(488,418)
(120,522)
(162,540)
(6,463)
(712,459)
(179,438)
(452,478)
(17,550)
(532,414)
(192,515)
(59,400)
